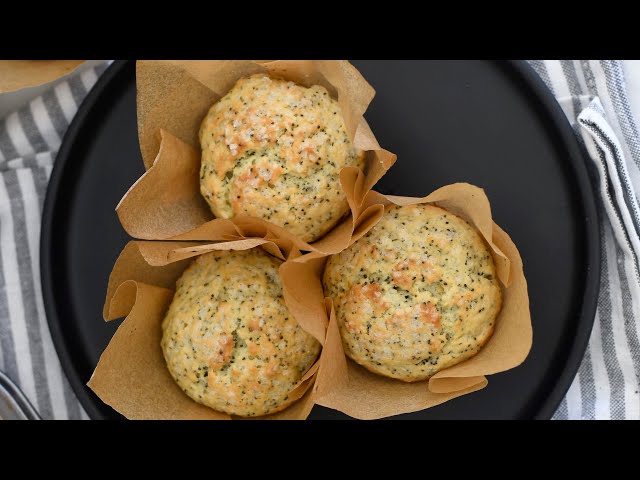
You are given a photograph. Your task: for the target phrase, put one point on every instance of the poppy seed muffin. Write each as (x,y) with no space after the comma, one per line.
(417,294)
(228,338)
(274,149)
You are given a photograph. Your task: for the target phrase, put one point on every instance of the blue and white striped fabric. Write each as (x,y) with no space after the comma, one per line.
(594,97)
(29,141)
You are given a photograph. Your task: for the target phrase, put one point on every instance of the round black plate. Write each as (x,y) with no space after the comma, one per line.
(493,124)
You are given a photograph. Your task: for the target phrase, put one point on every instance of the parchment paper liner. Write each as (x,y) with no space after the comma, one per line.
(131,375)
(18,74)
(345,386)
(173,96)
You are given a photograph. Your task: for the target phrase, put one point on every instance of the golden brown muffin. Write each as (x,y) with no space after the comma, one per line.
(274,149)
(417,294)
(228,338)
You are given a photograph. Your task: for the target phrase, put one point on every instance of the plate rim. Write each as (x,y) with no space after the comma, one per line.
(47,280)
(577,159)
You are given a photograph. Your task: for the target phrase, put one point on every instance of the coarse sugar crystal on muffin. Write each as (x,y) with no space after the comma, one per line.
(417,294)
(228,338)
(274,149)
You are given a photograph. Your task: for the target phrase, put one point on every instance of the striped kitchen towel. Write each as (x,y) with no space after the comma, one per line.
(29,141)
(594,98)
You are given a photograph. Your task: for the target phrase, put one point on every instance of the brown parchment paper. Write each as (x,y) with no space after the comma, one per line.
(173,96)
(345,386)
(19,74)
(131,375)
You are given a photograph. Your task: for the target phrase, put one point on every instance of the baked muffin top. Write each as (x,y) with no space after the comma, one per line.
(416,294)
(274,149)
(228,338)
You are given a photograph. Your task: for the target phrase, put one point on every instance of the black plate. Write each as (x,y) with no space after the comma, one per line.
(493,124)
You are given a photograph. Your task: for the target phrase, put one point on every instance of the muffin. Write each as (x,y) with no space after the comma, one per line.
(274,149)
(228,338)
(417,294)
